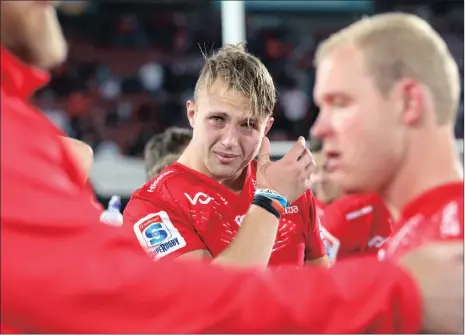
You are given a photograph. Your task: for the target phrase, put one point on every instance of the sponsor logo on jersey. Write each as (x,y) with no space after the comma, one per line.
(200,197)
(157,235)
(358,213)
(291,210)
(153,185)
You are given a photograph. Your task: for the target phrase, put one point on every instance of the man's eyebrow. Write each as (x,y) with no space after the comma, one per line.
(217,113)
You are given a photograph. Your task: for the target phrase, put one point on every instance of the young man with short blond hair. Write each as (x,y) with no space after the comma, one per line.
(205,204)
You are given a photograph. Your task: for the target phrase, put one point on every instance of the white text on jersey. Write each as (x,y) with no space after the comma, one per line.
(200,197)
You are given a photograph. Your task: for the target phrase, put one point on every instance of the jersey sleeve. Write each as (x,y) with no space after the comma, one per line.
(315,247)
(161,229)
(58,261)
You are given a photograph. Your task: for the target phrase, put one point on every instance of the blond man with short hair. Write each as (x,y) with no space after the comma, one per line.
(388,90)
(216,201)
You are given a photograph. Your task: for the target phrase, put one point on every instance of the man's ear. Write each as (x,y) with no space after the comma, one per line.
(412,96)
(268,125)
(190,108)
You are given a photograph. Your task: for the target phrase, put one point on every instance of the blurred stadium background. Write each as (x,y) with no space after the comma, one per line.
(133,65)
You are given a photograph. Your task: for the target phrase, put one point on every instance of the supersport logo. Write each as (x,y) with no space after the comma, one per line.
(199,197)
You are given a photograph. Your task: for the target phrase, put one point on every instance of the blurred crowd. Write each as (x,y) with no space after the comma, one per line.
(132,67)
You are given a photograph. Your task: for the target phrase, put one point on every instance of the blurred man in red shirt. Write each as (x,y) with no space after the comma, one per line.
(64,272)
(388,90)
(350,224)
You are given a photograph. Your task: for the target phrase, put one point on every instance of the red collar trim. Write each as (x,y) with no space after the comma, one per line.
(431,198)
(20,79)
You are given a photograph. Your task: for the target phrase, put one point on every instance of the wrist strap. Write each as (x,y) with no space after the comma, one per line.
(273,195)
(270,205)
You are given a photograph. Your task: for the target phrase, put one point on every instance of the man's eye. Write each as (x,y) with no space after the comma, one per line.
(216,119)
(339,102)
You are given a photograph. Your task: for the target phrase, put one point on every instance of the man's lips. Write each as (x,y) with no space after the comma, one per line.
(224,157)
(333,159)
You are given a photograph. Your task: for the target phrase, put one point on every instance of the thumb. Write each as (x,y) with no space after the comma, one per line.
(264,152)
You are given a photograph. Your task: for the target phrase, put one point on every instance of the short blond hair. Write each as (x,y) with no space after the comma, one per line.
(241,72)
(400,45)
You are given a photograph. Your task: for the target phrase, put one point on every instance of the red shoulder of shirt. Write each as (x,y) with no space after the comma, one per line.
(433,200)
(441,207)
(172,178)
(436,215)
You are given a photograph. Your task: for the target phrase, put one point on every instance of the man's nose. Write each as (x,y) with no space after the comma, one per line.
(229,137)
(321,128)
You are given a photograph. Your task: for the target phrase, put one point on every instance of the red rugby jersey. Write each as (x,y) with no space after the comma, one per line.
(182,210)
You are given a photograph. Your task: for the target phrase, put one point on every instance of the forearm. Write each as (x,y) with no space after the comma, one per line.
(254,241)
(135,295)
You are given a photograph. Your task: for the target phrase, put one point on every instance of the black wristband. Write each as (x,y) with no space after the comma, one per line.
(265,203)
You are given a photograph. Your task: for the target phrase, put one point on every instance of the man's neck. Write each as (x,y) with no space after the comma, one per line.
(429,164)
(191,159)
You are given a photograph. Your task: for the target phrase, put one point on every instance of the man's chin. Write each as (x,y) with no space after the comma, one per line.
(354,187)
(224,171)
(49,57)
(345,182)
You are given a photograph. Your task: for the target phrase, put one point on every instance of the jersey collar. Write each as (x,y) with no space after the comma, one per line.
(429,199)
(18,78)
